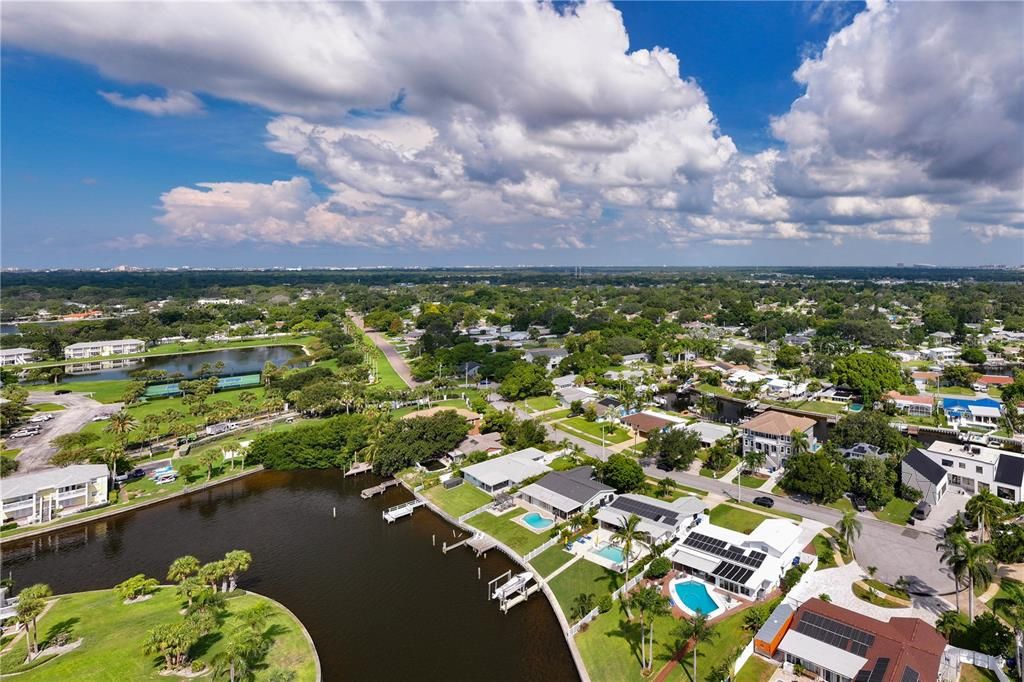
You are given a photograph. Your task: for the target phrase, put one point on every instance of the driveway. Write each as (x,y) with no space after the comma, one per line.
(394,358)
(78,411)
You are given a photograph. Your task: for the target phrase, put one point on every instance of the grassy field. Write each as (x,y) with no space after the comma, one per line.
(897,511)
(402,411)
(752,481)
(970,673)
(386,374)
(718,473)
(46,407)
(103,391)
(739,520)
(505,529)
(584,577)
(150,407)
(756,669)
(540,403)
(770,512)
(112,635)
(612,433)
(459,500)
(548,561)
(826,554)
(878,599)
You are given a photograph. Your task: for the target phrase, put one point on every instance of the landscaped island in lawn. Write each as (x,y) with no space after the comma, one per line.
(113,635)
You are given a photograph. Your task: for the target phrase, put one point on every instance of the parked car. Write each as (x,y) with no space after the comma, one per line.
(764,501)
(860,503)
(921,511)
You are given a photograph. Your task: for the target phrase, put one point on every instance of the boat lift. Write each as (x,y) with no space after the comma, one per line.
(511,589)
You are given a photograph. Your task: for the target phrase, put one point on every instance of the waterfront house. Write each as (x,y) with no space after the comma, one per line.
(748,565)
(660,521)
(503,472)
(481,442)
(91,349)
(46,495)
(920,472)
(972,412)
(771,432)
(914,405)
(942,354)
(643,423)
(16,356)
(840,645)
(565,493)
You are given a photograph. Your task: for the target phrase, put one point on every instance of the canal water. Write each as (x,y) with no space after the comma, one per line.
(236,361)
(380,602)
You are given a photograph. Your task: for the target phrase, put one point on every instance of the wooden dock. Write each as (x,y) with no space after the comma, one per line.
(481,544)
(398,511)
(378,489)
(359,468)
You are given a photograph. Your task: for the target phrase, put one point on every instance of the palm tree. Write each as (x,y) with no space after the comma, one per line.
(233,662)
(121,424)
(189,588)
(111,456)
(31,603)
(212,573)
(698,630)
(582,605)
(952,548)
(651,604)
(849,528)
(208,458)
(236,561)
(948,623)
(183,567)
(799,444)
(985,509)
(627,536)
(978,567)
(1012,608)
(642,600)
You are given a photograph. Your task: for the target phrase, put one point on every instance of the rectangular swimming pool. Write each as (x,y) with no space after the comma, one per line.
(611,553)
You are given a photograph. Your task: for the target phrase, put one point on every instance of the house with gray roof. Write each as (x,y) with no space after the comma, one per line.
(503,472)
(565,493)
(920,472)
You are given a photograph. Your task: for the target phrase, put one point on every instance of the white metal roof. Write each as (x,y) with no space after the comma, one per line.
(16,486)
(515,467)
(15,351)
(100,344)
(811,650)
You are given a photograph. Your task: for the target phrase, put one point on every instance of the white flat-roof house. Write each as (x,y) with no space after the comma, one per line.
(92,349)
(565,493)
(708,432)
(942,354)
(551,356)
(15,356)
(771,433)
(748,565)
(661,521)
(502,472)
(45,495)
(975,468)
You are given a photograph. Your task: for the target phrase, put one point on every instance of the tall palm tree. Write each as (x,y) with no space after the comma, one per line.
(849,528)
(1012,608)
(799,444)
(628,536)
(182,567)
(236,561)
(643,600)
(207,459)
(121,424)
(659,606)
(31,603)
(978,566)
(111,456)
(985,509)
(696,630)
(952,548)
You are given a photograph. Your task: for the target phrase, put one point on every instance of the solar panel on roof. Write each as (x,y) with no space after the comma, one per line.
(878,673)
(910,675)
(723,549)
(648,511)
(836,634)
(732,572)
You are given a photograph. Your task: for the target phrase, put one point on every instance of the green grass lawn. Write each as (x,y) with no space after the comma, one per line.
(454,402)
(970,673)
(10,453)
(149,407)
(888,589)
(563,463)
(459,500)
(878,599)
(557,414)
(612,433)
(653,484)
(996,603)
(386,374)
(956,390)
(756,669)
(103,391)
(718,473)
(548,561)
(504,528)
(46,407)
(739,520)
(541,402)
(752,481)
(584,577)
(897,511)
(113,635)
(770,512)
(714,390)
(826,555)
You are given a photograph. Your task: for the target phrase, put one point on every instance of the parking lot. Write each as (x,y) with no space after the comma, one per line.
(78,411)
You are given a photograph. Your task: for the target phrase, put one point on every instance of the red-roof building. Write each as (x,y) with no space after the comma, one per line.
(994,380)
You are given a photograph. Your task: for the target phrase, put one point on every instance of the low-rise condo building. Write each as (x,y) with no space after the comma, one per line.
(16,356)
(92,349)
(46,495)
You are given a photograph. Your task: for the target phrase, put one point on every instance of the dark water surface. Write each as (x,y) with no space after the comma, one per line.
(236,361)
(379,601)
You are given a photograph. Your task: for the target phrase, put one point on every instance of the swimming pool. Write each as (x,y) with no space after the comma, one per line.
(611,553)
(537,522)
(693,597)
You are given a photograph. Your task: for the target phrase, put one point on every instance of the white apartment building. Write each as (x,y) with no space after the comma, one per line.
(15,356)
(46,495)
(771,433)
(975,468)
(92,349)
(942,354)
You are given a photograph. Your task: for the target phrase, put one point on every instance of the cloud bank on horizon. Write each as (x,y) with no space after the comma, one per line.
(534,127)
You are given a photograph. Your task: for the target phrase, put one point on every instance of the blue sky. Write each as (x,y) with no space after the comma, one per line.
(712,165)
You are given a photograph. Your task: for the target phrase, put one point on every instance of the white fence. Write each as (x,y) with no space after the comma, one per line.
(471,514)
(741,660)
(576,627)
(550,543)
(977,659)
(633,582)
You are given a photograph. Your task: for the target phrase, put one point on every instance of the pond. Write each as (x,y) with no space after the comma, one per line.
(236,361)
(379,600)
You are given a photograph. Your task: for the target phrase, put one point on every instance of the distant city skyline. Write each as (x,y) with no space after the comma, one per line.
(502,134)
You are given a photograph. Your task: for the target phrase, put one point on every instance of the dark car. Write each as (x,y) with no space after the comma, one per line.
(859,503)
(921,511)
(764,501)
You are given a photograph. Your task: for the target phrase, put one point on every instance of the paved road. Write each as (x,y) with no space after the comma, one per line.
(394,358)
(78,411)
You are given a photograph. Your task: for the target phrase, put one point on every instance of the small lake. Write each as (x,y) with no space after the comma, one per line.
(380,602)
(236,361)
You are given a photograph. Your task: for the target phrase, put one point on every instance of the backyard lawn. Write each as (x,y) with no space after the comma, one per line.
(548,561)
(459,500)
(541,402)
(897,511)
(739,520)
(756,669)
(584,577)
(505,529)
(113,633)
(612,433)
